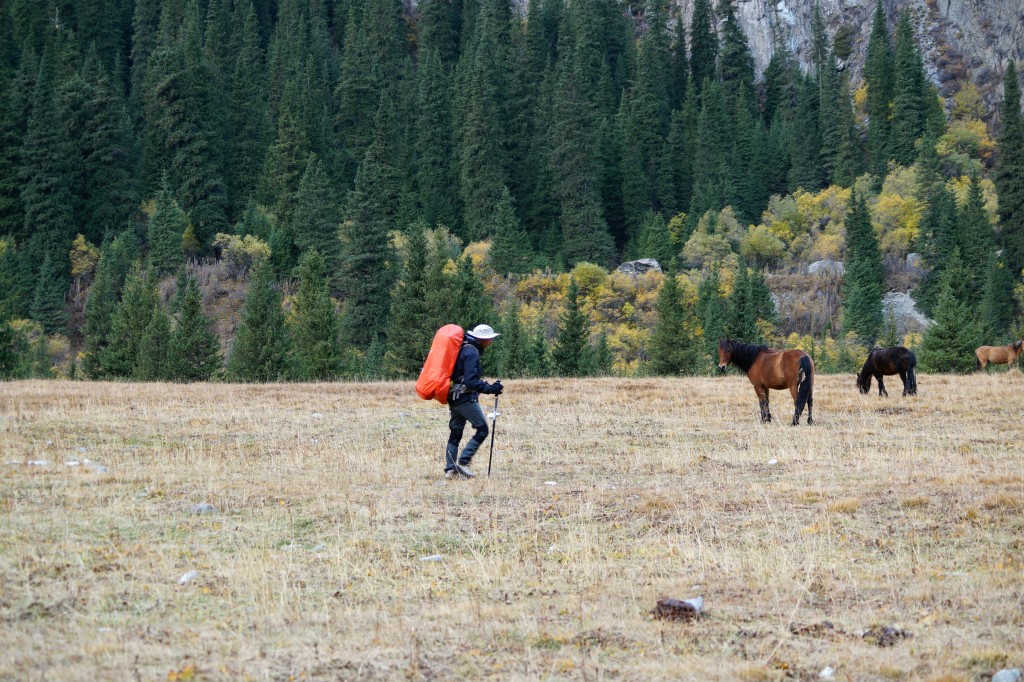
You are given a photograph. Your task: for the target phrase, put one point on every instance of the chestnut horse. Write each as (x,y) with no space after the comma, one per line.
(888,361)
(999,355)
(778,369)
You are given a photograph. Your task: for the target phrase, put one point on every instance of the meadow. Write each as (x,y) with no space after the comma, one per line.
(884,542)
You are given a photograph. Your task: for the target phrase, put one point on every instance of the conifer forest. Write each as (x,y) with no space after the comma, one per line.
(305,190)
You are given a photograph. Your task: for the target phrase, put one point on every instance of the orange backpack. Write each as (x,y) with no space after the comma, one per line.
(436,375)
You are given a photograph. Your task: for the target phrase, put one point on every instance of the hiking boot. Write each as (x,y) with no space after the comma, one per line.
(464,471)
(450,474)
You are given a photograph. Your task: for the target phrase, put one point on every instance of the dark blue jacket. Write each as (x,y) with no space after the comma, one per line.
(467,373)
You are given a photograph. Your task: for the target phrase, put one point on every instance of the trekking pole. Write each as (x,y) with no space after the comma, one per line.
(494,426)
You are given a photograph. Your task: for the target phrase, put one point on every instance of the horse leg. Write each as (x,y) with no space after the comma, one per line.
(762,398)
(881,387)
(903,376)
(810,408)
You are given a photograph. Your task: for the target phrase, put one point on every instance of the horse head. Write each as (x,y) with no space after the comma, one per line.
(864,383)
(724,354)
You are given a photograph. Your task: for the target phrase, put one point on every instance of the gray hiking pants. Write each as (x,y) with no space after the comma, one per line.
(460,414)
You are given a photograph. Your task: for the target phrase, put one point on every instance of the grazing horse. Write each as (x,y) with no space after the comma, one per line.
(778,369)
(888,361)
(999,355)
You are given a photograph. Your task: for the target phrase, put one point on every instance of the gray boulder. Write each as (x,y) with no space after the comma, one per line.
(639,267)
(906,314)
(826,267)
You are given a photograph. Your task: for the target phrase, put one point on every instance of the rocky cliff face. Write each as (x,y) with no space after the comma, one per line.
(961,39)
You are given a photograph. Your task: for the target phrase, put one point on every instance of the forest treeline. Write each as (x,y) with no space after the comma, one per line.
(365,174)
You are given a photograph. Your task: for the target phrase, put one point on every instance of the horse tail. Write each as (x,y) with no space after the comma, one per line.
(804,382)
(912,374)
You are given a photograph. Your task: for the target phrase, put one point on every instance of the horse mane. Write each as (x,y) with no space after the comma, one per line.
(744,354)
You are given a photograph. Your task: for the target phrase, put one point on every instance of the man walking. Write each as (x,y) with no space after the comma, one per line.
(463,405)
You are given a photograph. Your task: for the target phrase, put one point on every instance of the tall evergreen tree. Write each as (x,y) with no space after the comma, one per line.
(412,322)
(742,309)
(910,92)
(712,312)
(317,218)
(863,282)
(366,278)
(316,332)
(572,346)
(249,122)
(166,229)
(997,300)
(675,347)
(1009,173)
(434,175)
(130,319)
(878,73)
(948,345)
(712,184)
(703,43)
(194,352)
(735,61)
(511,251)
(538,354)
(512,357)
(262,343)
(115,262)
(977,240)
(152,363)
(48,305)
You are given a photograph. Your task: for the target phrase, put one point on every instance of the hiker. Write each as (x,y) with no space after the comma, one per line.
(462,401)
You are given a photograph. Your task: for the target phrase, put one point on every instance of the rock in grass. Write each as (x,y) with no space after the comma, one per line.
(1007,675)
(188,577)
(204,508)
(678,609)
(884,635)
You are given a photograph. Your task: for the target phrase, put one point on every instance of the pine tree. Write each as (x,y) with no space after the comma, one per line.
(712,184)
(412,322)
(464,300)
(997,300)
(1009,173)
(909,104)
(194,350)
(878,73)
(433,144)
(807,170)
(655,241)
(249,121)
(510,247)
(48,305)
(572,346)
(538,355)
(152,362)
(743,314)
(703,43)
(112,269)
(864,280)
(948,345)
(512,354)
(166,229)
(365,278)
(675,347)
(735,62)
(317,218)
(45,191)
(712,312)
(977,239)
(316,326)
(283,170)
(262,344)
(127,326)
(940,236)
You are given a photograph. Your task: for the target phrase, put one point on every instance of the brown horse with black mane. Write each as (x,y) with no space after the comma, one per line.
(778,369)
(888,361)
(999,355)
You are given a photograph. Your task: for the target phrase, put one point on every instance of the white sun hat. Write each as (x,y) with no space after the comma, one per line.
(483,332)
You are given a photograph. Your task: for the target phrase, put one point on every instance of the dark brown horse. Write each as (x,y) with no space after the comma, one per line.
(999,355)
(889,361)
(778,369)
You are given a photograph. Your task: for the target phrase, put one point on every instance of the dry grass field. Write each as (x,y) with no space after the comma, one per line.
(607,495)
